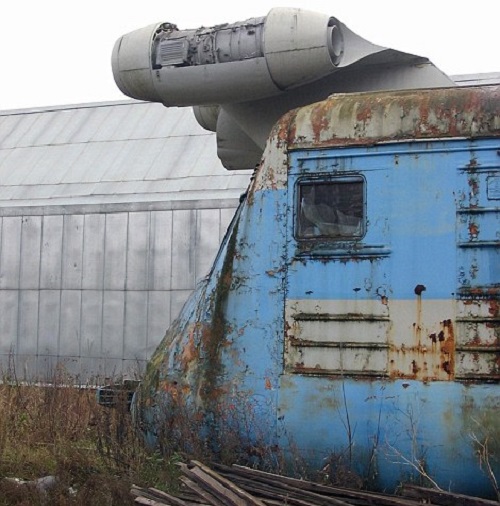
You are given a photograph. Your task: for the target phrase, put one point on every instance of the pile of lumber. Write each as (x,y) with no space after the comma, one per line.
(241,486)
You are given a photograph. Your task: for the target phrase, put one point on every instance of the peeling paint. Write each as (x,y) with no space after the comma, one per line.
(348,340)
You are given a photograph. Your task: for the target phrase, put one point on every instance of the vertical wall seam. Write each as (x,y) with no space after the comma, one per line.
(37,355)
(80,326)
(104,247)
(125,292)
(148,283)
(171,263)
(61,283)
(18,323)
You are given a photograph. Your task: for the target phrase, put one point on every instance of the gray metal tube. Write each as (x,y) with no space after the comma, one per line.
(248,60)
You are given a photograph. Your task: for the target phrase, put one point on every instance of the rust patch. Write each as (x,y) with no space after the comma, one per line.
(190,351)
(320,121)
(473,182)
(375,117)
(473,231)
(493,308)
(427,360)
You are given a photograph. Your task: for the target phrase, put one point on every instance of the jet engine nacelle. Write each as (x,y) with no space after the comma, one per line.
(248,60)
(242,77)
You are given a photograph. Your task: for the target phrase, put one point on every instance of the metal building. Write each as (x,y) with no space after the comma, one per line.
(109,214)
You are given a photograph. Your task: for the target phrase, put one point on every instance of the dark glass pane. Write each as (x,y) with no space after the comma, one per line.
(331,209)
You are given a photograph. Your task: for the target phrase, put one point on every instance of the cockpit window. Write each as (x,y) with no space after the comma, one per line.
(331,209)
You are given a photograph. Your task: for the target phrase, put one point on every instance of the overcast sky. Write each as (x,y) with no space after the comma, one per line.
(55,52)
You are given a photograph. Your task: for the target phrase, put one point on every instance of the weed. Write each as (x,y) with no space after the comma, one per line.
(57,429)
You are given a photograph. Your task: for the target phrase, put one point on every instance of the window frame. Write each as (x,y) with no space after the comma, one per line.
(328,179)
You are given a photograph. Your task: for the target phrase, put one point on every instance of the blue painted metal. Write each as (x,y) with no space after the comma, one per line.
(376,354)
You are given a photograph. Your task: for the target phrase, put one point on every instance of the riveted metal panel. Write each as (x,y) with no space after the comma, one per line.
(138,251)
(113,312)
(136,320)
(323,329)
(183,261)
(339,360)
(160,250)
(10,249)
(72,267)
(31,238)
(115,251)
(93,251)
(322,339)
(9,300)
(479,320)
(479,363)
(49,322)
(51,252)
(478,263)
(28,322)
(69,340)
(91,323)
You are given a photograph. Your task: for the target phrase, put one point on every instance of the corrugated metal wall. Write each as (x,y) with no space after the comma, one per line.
(109,214)
(96,291)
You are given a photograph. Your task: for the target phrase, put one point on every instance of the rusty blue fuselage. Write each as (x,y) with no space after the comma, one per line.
(350,318)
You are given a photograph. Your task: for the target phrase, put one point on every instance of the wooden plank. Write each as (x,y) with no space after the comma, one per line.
(203,494)
(443,498)
(294,495)
(148,502)
(226,496)
(157,496)
(370,498)
(250,500)
(243,486)
(288,494)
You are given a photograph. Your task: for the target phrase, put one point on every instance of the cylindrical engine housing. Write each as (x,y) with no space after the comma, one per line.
(248,60)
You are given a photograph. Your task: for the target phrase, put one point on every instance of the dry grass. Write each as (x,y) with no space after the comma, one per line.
(93,451)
